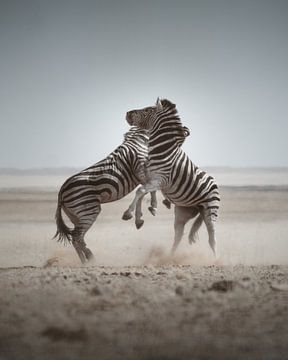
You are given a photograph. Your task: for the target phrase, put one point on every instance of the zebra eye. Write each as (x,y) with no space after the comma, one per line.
(186,131)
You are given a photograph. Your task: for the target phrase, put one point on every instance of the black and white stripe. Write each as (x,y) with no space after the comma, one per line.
(108,180)
(192,190)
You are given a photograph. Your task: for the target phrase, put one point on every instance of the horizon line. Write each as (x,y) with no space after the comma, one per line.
(64,169)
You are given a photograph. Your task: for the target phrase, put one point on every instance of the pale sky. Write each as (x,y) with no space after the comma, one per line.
(69,71)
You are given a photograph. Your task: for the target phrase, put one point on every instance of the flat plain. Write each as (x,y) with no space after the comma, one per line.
(135,301)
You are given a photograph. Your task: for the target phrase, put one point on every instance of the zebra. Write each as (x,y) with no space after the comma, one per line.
(108,180)
(191,190)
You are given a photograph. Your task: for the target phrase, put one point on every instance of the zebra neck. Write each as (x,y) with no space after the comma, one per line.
(163,152)
(162,145)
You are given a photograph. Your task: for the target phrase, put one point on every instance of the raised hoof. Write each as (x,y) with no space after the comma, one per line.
(167,203)
(127,215)
(152,210)
(139,224)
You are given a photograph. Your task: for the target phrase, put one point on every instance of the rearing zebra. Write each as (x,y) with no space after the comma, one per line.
(108,180)
(191,190)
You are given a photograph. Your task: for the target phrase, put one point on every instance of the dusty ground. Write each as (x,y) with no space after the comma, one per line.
(169,312)
(135,302)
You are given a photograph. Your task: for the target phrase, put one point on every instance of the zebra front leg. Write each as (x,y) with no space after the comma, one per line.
(138,213)
(153,207)
(127,215)
(140,193)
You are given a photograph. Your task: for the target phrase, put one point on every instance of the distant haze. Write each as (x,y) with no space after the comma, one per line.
(70,70)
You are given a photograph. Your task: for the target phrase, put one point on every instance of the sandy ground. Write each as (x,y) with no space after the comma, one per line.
(135,302)
(168,312)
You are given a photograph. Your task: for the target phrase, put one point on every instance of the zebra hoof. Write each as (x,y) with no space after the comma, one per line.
(139,224)
(89,255)
(167,203)
(152,210)
(127,215)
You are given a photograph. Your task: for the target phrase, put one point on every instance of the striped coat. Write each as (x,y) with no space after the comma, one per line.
(192,190)
(81,196)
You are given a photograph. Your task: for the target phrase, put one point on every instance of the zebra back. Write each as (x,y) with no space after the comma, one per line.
(113,177)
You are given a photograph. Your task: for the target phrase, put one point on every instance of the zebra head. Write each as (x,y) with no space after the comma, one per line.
(164,113)
(146,117)
(142,118)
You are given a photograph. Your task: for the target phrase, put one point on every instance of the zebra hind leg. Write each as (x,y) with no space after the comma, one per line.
(179,230)
(82,225)
(210,216)
(79,245)
(193,234)
(182,215)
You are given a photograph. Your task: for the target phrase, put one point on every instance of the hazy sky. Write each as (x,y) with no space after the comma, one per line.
(69,71)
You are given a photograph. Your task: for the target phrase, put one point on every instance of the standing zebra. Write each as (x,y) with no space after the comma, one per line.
(191,190)
(108,180)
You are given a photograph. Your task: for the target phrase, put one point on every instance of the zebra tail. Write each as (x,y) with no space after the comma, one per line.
(63,233)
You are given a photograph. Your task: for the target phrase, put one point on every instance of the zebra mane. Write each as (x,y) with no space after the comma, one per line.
(134,131)
(169,109)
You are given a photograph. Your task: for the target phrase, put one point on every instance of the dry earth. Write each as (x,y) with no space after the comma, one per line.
(135,302)
(168,312)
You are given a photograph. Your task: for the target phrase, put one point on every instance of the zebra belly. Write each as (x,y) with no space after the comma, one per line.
(191,186)
(195,203)
(210,199)
(85,194)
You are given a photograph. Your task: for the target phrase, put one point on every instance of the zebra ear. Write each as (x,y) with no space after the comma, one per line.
(159,104)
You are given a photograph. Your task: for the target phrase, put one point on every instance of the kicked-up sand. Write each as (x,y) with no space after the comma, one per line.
(135,301)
